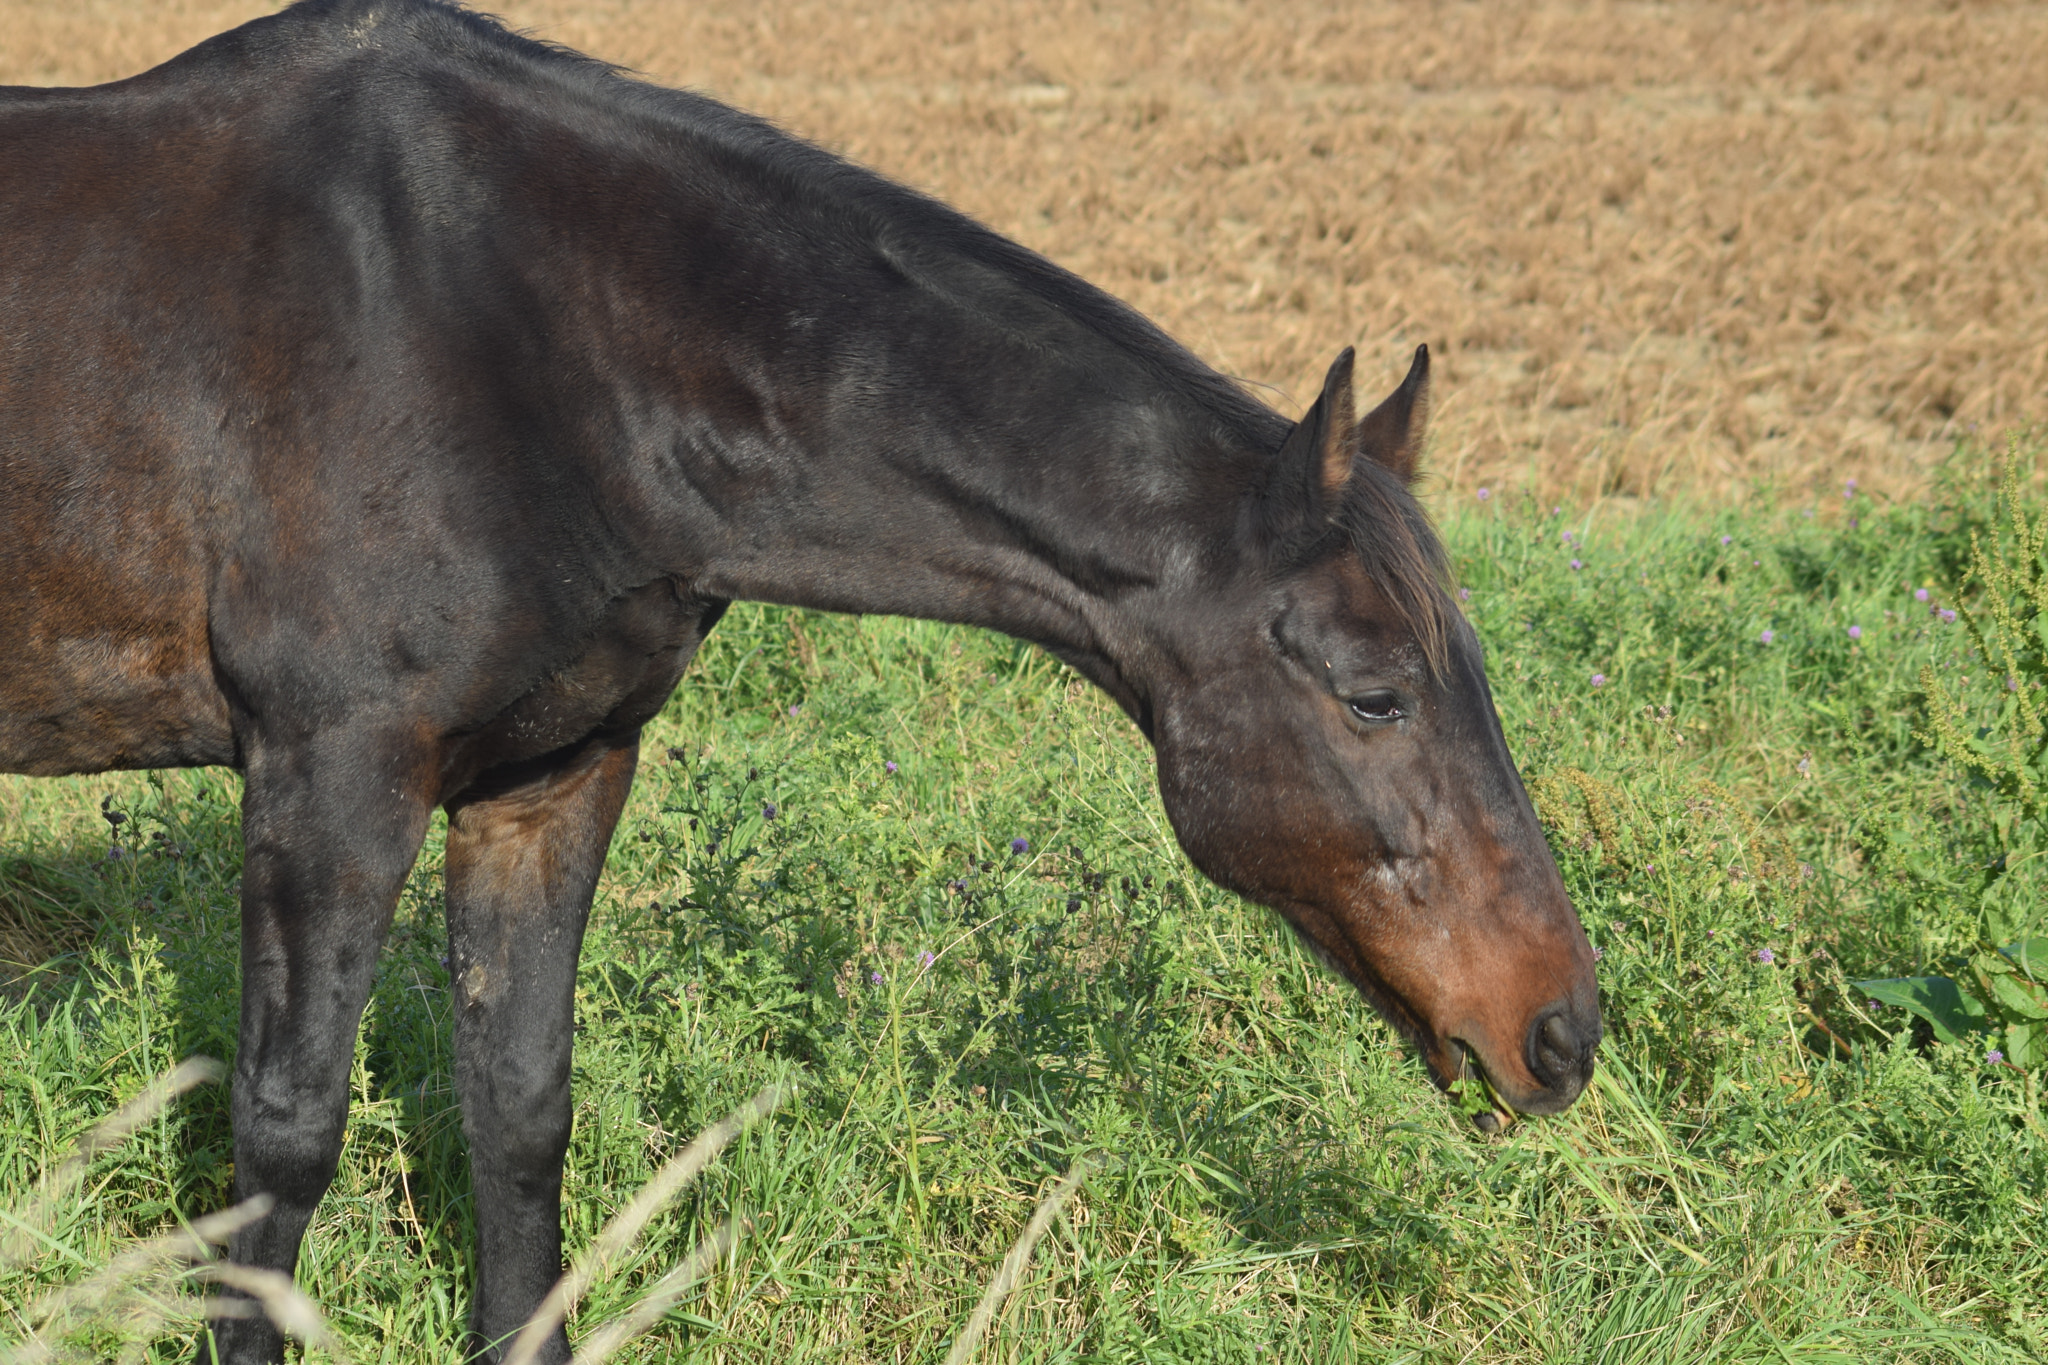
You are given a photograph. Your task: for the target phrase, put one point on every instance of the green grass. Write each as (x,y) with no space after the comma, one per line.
(1765,1169)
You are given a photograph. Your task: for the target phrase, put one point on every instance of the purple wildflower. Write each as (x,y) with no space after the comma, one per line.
(1948,618)
(1855,632)
(1576,566)
(1464,594)
(1768,636)
(1599,680)
(768,811)
(874,978)
(1994,1056)
(1557,511)
(1020,845)
(1598,954)
(1765,956)
(1485,493)
(794,709)
(890,766)
(1849,489)
(925,958)
(1565,536)
(1875,1004)
(1727,540)
(1920,595)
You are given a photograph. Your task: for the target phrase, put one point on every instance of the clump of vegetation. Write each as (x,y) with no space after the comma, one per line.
(923,873)
(1998,731)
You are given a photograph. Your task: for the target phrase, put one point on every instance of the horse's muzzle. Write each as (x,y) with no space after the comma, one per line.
(1559,1053)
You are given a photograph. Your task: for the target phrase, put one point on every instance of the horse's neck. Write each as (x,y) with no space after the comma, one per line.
(918,457)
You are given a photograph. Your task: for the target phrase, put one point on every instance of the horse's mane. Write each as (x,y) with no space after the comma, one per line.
(862,199)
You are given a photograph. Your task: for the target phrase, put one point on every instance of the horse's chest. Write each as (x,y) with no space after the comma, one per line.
(614,683)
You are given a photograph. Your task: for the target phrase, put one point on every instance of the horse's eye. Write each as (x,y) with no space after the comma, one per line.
(1376,708)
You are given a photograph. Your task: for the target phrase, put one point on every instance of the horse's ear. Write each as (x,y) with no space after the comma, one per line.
(1392,432)
(1314,463)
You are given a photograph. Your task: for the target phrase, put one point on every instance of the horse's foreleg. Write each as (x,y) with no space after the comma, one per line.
(330,829)
(523,861)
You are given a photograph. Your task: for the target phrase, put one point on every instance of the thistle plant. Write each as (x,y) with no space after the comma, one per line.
(2008,624)
(2001,988)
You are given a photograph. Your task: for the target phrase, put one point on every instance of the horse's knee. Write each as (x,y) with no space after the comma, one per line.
(287,1145)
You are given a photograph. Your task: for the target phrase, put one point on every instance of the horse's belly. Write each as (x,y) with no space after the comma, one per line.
(104,654)
(89,703)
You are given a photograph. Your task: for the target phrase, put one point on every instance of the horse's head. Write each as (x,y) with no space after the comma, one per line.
(1332,750)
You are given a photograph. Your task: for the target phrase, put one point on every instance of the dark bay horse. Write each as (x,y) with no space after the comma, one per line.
(389,405)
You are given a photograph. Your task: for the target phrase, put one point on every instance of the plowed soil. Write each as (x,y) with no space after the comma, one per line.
(1683,246)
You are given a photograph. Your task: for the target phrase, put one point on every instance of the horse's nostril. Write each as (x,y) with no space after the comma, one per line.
(1560,1053)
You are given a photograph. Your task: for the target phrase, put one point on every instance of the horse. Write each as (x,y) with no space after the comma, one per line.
(391,404)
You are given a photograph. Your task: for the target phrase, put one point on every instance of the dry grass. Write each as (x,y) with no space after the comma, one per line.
(1658,246)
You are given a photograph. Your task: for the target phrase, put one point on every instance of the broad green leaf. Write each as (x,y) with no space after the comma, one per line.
(1951,1012)
(2022,998)
(2025,1044)
(2030,955)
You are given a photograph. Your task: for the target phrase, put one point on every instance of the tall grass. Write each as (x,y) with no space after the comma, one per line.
(1767,1168)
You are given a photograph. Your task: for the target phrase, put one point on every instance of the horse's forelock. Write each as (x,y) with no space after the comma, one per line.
(1380,522)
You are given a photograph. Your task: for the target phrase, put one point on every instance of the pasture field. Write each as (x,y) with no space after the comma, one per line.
(1656,246)
(1686,269)
(1767,1168)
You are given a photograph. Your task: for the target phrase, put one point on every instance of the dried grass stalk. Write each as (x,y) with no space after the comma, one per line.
(664,1296)
(625,1228)
(1012,1268)
(285,1303)
(130,1275)
(109,1133)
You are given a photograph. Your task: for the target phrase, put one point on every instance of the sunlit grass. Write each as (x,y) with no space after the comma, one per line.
(1765,1169)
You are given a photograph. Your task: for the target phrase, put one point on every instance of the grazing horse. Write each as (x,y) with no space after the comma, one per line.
(390,404)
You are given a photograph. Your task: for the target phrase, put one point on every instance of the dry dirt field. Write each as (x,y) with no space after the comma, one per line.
(1658,247)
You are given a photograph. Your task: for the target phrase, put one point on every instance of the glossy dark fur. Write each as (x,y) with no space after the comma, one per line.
(388,407)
